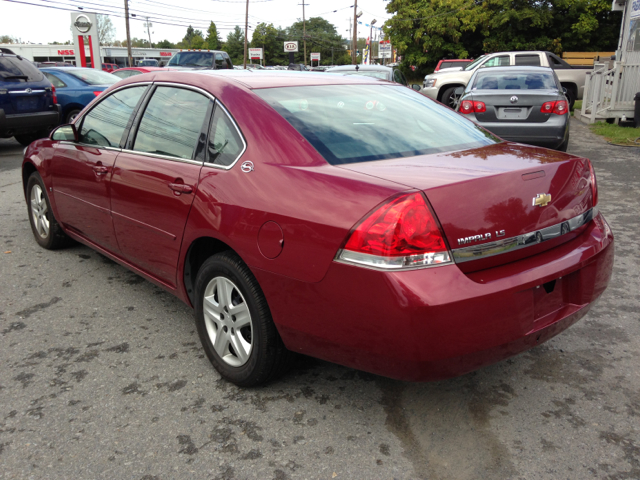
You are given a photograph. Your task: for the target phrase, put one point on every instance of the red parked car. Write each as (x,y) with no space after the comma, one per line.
(109,67)
(342,217)
(452,63)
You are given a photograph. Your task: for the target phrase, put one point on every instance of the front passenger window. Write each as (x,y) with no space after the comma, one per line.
(104,125)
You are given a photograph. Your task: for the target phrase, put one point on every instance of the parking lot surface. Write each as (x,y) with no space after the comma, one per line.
(102,376)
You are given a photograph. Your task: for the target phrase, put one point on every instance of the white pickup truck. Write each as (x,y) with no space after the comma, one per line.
(441,86)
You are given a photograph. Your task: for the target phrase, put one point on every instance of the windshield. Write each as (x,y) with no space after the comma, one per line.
(473,64)
(514,81)
(359,123)
(192,59)
(93,77)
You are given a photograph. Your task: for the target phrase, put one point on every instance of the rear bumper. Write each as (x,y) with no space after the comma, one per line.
(437,323)
(28,122)
(550,134)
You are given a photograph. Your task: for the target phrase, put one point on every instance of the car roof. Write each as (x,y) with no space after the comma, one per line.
(366,68)
(513,68)
(255,79)
(145,69)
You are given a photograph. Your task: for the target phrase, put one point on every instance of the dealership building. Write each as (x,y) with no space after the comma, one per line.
(67,53)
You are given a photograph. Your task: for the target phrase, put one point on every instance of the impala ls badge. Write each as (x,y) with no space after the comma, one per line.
(247,167)
(514,99)
(541,200)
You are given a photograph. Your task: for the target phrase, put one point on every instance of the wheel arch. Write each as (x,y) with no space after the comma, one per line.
(27,170)
(198,252)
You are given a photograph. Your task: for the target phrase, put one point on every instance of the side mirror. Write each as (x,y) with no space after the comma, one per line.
(66,133)
(416,87)
(459,91)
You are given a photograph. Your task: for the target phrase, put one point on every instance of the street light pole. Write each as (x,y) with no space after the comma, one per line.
(371,40)
(304,31)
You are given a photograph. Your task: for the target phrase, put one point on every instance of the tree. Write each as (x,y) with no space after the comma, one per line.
(321,37)
(106,30)
(235,45)
(213,37)
(165,44)
(266,37)
(8,39)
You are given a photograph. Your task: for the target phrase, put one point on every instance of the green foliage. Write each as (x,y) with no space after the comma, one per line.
(165,44)
(235,46)
(10,39)
(213,38)
(193,39)
(617,134)
(425,31)
(266,37)
(321,37)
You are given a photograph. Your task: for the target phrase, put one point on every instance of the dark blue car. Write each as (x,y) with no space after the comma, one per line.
(76,87)
(28,109)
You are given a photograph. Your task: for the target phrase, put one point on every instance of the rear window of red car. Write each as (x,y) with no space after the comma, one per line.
(360,123)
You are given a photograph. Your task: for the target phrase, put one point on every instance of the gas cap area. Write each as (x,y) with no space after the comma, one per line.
(270,240)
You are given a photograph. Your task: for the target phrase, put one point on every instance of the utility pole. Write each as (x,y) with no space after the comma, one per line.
(304,31)
(149,25)
(371,41)
(126,16)
(246,28)
(355,33)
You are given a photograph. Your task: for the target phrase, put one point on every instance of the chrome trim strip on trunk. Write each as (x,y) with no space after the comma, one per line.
(499,247)
(25,91)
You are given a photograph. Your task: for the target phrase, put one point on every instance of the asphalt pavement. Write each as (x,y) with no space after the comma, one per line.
(102,377)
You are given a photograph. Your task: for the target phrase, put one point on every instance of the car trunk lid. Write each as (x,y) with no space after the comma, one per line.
(489,194)
(514,105)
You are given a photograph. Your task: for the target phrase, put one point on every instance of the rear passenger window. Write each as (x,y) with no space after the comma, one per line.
(172,123)
(398,77)
(528,60)
(55,81)
(225,143)
(497,62)
(104,125)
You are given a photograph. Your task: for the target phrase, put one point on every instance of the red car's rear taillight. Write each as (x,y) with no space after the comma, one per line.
(559,107)
(402,233)
(468,106)
(97,92)
(594,185)
(53,91)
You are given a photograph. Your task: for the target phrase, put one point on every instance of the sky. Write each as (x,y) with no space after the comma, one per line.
(39,24)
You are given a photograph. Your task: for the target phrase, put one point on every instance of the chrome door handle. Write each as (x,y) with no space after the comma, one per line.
(100,169)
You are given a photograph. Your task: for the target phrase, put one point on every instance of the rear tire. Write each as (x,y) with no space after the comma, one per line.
(235,325)
(571,97)
(564,145)
(71,116)
(26,138)
(45,227)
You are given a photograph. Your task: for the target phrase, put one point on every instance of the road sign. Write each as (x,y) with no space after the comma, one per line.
(291,47)
(315,56)
(255,53)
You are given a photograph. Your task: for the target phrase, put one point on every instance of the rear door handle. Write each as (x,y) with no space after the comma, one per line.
(100,169)
(181,188)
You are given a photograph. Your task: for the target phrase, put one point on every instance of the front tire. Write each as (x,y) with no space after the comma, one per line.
(71,116)
(235,325)
(45,227)
(449,98)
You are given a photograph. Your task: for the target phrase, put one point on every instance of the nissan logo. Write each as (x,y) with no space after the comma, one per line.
(514,99)
(82,23)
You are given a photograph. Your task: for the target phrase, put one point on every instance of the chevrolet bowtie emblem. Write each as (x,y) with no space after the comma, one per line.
(541,200)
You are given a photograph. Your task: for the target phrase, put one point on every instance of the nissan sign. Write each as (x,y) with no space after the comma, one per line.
(290,47)
(82,23)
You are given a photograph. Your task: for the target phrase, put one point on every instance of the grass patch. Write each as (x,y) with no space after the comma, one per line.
(576,106)
(617,134)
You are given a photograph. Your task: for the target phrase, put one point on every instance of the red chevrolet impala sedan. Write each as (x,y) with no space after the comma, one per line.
(346,218)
